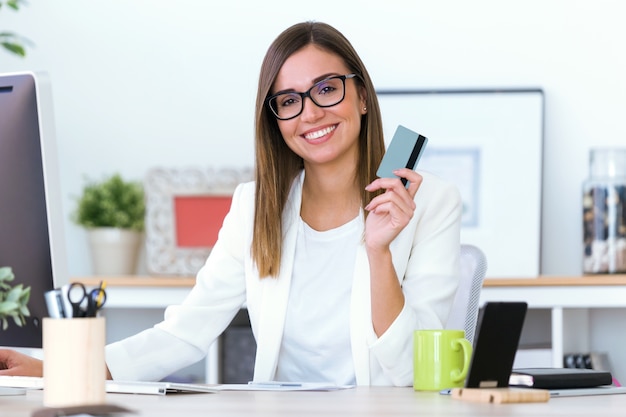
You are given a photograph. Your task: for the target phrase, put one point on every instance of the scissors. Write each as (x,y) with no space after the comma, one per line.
(77,294)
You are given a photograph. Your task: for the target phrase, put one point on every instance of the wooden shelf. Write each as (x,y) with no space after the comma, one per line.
(138,281)
(555,281)
(189,281)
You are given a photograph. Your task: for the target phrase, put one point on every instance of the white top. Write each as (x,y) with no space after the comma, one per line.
(319,302)
(425,257)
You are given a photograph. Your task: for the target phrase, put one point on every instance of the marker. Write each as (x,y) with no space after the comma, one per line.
(55,304)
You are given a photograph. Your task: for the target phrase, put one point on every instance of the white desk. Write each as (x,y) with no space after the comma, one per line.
(361,402)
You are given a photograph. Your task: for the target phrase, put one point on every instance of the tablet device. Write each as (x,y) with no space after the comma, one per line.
(404,151)
(498,331)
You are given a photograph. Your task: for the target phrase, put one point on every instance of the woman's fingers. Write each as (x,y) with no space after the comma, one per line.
(396,192)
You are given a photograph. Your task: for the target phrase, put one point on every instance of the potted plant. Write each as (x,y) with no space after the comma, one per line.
(13,300)
(113,211)
(10,41)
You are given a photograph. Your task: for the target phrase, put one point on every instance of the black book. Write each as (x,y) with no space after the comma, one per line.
(558,378)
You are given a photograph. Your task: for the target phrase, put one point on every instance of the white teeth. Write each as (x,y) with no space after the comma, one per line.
(319,133)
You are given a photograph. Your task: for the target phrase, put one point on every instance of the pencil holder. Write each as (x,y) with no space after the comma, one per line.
(74,370)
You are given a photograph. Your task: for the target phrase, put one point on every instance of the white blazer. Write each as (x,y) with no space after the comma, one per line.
(425,256)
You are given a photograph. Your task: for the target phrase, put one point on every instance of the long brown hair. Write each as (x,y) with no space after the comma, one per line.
(277,165)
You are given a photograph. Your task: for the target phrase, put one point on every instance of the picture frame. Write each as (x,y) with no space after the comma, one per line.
(490,144)
(185,208)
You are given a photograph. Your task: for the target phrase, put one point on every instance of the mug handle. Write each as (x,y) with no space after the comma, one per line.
(455,375)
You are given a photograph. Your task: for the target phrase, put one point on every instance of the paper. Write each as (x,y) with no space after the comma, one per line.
(282,386)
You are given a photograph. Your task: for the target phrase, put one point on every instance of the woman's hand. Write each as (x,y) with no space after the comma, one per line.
(391,211)
(18,364)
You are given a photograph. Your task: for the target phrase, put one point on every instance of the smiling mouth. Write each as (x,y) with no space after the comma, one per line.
(319,133)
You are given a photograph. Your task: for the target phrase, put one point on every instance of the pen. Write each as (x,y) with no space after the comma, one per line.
(103,285)
(55,304)
(275,384)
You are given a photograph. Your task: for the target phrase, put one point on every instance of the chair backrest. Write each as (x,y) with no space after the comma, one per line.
(465,308)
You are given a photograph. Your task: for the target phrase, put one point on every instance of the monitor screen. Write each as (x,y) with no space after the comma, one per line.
(31,227)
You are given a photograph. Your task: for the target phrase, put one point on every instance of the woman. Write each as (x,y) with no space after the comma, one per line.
(336,267)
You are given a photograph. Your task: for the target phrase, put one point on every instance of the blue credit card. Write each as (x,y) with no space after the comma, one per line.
(404,151)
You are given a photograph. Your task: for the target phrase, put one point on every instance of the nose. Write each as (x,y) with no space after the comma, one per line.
(310,110)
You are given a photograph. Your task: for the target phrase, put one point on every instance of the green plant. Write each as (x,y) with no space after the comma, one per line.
(112,202)
(9,40)
(13,300)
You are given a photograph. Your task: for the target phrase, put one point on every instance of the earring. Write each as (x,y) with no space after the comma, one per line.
(365,109)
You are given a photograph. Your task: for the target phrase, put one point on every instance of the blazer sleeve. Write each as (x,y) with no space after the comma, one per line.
(426,259)
(189,329)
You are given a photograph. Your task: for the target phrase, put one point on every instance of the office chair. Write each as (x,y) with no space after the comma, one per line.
(465,308)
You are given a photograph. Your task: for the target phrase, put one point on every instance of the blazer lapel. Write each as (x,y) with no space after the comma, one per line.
(360,316)
(275,293)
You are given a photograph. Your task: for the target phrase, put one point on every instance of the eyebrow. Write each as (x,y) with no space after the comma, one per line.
(315,81)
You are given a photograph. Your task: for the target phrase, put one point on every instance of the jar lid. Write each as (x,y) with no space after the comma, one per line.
(607,162)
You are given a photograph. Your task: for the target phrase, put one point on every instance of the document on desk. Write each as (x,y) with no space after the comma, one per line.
(282,386)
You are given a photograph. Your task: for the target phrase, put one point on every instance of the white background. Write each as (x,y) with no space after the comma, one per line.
(506,129)
(141,83)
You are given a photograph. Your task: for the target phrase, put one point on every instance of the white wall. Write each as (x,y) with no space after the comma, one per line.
(140,83)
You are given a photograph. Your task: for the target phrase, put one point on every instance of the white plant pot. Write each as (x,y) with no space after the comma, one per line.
(114,251)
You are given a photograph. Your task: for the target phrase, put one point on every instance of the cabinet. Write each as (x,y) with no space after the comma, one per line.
(585,313)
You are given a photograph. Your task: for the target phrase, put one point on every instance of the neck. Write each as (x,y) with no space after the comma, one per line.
(330,197)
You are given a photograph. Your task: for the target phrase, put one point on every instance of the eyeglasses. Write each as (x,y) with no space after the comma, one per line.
(326,93)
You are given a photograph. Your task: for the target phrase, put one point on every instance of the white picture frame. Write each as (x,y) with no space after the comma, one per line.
(193,199)
(490,144)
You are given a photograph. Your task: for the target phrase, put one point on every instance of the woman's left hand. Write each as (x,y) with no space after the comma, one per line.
(391,211)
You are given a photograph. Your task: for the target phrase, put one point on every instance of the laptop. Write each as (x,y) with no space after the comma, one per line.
(118,387)
(156,388)
(579,392)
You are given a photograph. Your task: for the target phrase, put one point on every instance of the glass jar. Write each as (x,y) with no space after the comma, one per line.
(604,212)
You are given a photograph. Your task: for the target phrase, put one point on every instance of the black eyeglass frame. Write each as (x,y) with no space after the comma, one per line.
(307,93)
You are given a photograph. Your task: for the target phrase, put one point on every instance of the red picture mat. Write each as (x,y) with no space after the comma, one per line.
(198,219)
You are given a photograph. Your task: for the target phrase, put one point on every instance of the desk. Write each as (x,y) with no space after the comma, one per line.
(361,402)
(568,299)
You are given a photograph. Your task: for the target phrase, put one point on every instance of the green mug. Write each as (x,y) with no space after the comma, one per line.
(441,359)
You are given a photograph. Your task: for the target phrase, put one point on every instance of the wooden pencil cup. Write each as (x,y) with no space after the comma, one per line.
(74,370)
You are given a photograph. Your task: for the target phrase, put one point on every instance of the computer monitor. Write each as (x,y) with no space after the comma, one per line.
(31,222)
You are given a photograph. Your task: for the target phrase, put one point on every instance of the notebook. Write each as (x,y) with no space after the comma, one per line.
(567,382)
(559,378)
(122,387)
